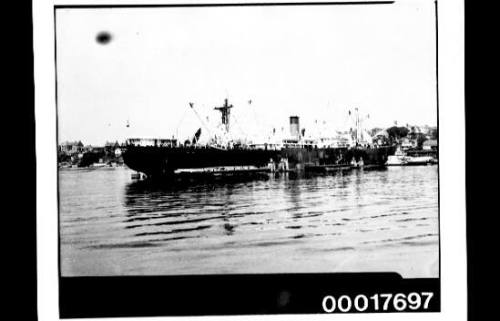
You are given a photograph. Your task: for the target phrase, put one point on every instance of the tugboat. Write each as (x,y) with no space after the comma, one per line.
(168,157)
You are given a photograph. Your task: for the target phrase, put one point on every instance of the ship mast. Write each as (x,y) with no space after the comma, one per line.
(225,112)
(358,127)
(359,131)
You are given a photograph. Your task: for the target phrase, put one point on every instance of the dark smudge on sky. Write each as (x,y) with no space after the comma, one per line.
(103,37)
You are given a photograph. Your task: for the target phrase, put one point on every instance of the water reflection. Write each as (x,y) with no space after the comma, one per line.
(286,218)
(305,206)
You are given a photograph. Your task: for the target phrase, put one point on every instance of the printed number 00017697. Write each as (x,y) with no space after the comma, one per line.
(381,302)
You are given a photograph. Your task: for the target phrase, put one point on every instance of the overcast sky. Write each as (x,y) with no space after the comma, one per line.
(316,62)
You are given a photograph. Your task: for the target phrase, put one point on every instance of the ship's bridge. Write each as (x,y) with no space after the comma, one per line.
(286,143)
(151,142)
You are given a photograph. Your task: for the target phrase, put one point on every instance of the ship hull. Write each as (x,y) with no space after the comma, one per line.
(301,158)
(165,161)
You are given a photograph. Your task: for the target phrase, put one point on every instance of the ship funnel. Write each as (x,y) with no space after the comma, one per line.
(294,127)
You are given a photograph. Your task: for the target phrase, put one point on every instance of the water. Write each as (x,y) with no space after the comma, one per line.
(354,221)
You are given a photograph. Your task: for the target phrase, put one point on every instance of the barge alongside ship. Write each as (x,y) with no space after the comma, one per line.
(160,158)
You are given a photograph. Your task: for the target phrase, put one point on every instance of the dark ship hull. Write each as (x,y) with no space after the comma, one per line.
(164,161)
(302,158)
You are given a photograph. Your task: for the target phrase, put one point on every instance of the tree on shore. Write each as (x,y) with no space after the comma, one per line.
(396,133)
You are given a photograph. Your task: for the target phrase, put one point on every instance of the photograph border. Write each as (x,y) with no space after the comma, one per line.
(74,301)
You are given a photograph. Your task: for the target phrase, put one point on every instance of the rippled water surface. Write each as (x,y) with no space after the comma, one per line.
(353,221)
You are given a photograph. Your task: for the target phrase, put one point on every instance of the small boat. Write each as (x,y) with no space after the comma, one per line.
(65,165)
(98,165)
(419,160)
(401,159)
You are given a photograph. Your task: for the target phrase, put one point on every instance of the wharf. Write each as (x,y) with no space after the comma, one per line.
(327,168)
(340,167)
(251,171)
(222,170)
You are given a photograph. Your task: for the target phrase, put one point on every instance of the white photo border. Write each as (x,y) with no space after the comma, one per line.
(451,169)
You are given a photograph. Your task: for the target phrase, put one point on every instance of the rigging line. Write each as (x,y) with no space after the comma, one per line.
(191,105)
(262,124)
(346,122)
(238,124)
(180,122)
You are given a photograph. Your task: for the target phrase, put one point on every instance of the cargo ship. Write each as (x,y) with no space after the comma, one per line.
(161,158)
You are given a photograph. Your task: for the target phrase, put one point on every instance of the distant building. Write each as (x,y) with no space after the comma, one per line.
(110,147)
(70,148)
(408,143)
(430,144)
(425,129)
(98,149)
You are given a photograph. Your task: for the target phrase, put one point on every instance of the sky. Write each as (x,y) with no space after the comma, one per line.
(316,62)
